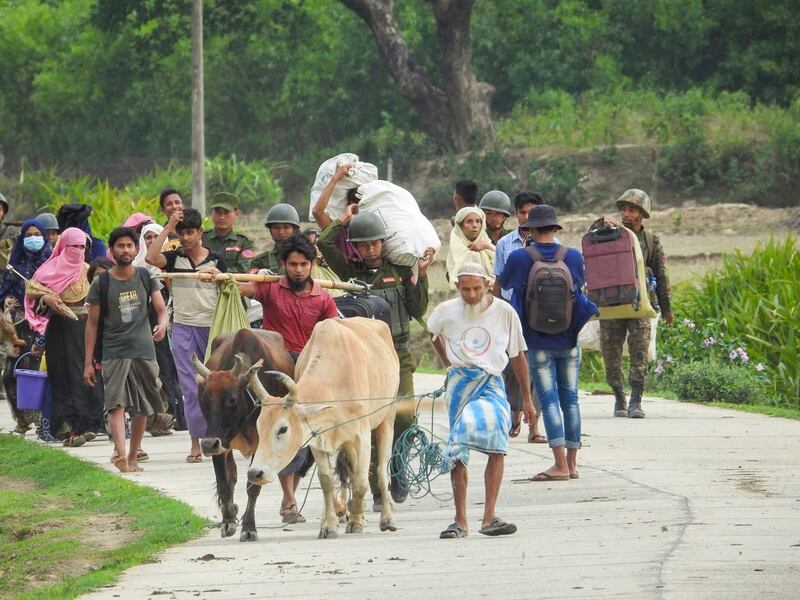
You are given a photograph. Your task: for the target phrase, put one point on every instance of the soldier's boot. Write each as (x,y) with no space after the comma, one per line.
(620,406)
(635,407)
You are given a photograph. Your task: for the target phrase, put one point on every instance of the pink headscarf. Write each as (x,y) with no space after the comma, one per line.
(137,219)
(61,270)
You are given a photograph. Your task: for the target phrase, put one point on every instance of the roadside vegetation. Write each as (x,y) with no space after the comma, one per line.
(67,526)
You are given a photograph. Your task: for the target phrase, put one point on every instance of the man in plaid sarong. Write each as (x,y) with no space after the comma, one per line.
(475,335)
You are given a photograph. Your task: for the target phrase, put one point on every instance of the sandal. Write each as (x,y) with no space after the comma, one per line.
(453,531)
(499,527)
(194,458)
(537,439)
(89,435)
(547,477)
(142,456)
(74,440)
(516,423)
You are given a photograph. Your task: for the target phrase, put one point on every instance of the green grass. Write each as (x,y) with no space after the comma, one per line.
(51,508)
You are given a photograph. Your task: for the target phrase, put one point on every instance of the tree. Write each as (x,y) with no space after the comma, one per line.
(459,110)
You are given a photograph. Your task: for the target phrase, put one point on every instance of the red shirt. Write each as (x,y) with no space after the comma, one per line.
(291,315)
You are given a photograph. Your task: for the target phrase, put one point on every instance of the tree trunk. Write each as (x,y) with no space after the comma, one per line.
(461,111)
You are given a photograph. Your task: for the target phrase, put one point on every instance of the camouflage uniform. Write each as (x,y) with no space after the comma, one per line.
(268,260)
(237,249)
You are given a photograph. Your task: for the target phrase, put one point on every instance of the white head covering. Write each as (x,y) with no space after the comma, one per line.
(139,261)
(472,269)
(460,253)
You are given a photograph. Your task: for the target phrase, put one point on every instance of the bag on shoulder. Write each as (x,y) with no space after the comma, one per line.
(549,299)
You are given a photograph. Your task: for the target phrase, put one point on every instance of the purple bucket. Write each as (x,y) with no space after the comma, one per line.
(31,386)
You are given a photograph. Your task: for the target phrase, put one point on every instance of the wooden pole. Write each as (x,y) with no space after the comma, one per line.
(256,278)
(198,111)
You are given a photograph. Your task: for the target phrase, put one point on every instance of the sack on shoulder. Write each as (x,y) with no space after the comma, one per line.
(549,300)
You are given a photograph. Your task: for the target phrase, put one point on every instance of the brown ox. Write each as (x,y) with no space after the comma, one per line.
(347,377)
(231,413)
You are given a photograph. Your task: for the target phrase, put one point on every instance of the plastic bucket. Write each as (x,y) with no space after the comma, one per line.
(31,387)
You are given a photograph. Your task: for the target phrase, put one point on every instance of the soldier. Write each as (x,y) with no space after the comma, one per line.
(237,248)
(496,205)
(51,223)
(407,296)
(634,206)
(8,234)
(283,222)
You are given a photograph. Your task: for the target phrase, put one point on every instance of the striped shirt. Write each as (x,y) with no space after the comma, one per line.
(193,301)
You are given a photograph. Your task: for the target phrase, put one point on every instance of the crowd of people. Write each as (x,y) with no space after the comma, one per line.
(115,341)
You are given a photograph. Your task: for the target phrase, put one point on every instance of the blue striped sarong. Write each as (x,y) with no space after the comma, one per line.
(479,415)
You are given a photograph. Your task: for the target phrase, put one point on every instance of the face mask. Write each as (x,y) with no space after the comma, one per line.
(33,243)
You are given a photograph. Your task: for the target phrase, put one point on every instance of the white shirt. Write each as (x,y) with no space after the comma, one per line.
(485,341)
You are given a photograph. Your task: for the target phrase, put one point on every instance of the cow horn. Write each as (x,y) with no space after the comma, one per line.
(201,369)
(242,363)
(287,381)
(258,388)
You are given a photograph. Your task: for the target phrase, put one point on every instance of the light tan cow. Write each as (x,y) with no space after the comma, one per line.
(346,379)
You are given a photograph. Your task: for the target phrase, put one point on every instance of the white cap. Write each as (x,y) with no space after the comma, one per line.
(471,269)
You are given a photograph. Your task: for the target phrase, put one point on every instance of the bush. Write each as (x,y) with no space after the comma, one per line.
(710,381)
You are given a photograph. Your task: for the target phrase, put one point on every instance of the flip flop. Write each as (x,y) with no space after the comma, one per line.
(547,477)
(194,458)
(516,423)
(499,527)
(537,439)
(453,531)
(142,456)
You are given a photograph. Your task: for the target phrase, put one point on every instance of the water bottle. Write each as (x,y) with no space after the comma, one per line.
(651,283)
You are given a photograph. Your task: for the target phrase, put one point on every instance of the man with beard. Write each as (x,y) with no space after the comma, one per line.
(292,307)
(118,303)
(476,335)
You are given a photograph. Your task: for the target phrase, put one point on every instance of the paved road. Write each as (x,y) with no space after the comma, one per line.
(692,502)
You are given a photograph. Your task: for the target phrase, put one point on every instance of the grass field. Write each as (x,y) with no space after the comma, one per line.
(67,526)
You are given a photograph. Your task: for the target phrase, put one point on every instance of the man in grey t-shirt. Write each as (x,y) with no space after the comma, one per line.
(119,300)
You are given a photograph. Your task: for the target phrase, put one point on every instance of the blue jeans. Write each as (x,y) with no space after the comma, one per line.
(555,375)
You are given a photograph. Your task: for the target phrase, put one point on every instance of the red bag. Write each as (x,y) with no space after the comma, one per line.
(612,277)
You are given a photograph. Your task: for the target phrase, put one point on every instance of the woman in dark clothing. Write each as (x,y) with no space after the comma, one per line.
(28,253)
(54,306)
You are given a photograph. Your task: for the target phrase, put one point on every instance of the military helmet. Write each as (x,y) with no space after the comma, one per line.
(282,213)
(48,220)
(366,227)
(637,198)
(497,201)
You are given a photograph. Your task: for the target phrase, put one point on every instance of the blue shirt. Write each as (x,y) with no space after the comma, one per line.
(515,277)
(505,246)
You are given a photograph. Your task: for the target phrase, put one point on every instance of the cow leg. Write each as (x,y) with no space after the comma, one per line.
(225,471)
(384,438)
(249,533)
(330,522)
(360,459)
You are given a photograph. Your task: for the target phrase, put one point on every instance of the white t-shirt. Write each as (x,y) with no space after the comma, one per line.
(485,341)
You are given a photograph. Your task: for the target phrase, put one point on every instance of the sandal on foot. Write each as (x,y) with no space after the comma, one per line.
(291,515)
(194,458)
(516,423)
(121,462)
(452,532)
(537,439)
(89,435)
(574,475)
(73,441)
(142,456)
(547,477)
(499,527)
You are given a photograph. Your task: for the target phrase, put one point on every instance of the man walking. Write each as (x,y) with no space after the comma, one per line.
(634,206)
(292,307)
(236,248)
(118,310)
(475,335)
(194,302)
(406,294)
(553,311)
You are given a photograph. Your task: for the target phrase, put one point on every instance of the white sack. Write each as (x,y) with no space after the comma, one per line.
(360,174)
(408,232)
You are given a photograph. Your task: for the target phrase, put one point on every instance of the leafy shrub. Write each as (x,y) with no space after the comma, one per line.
(253,181)
(709,381)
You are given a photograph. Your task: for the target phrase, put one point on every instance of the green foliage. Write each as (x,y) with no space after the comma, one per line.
(749,307)
(43,530)
(110,206)
(711,381)
(253,181)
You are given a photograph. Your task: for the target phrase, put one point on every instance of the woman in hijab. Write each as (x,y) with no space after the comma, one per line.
(469,242)
(54,308)
(29,252)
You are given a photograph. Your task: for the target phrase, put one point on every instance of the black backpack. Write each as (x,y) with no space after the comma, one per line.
(144,275)
(548,298)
